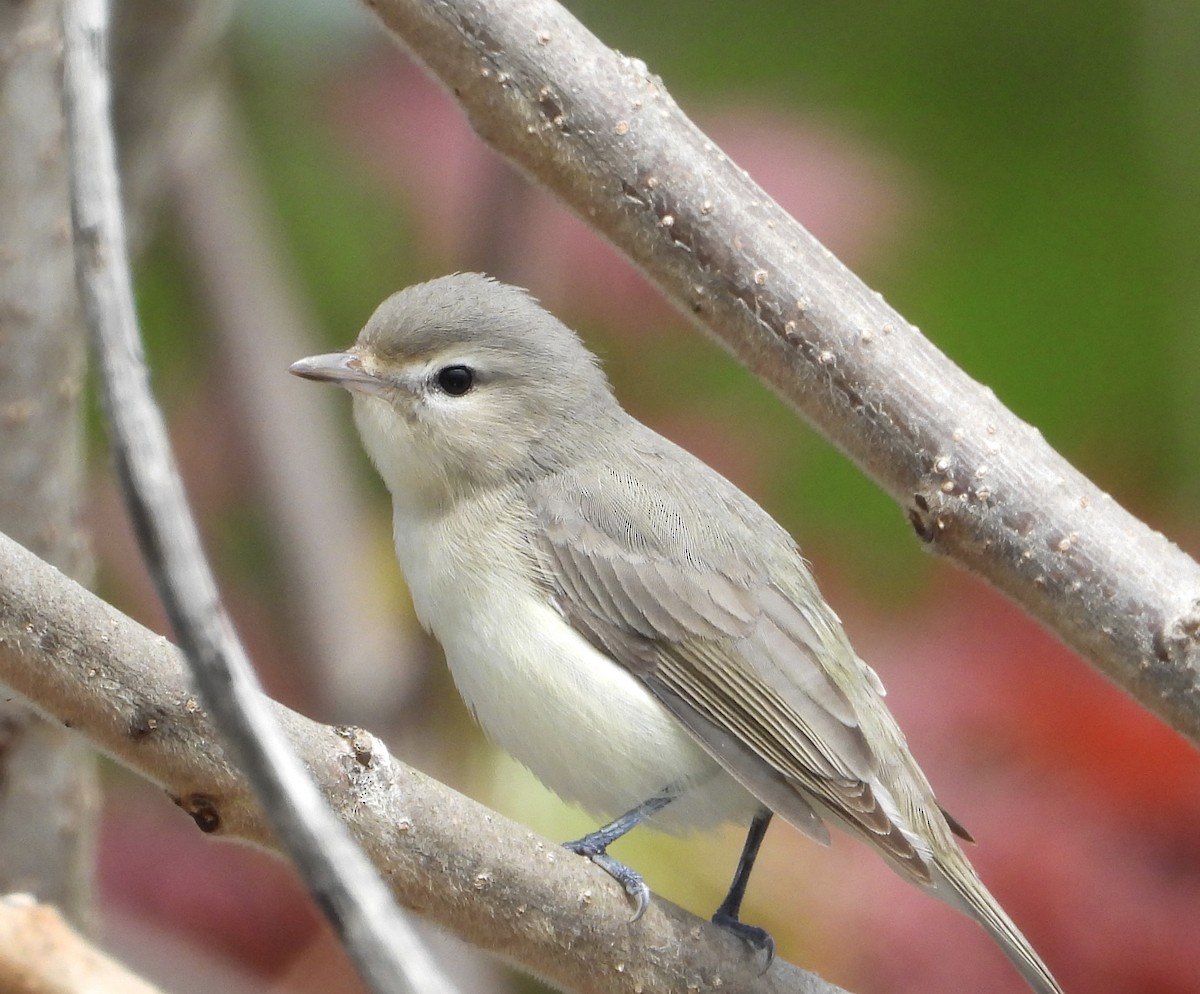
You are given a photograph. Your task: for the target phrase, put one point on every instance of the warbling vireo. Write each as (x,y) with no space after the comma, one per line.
(618,616)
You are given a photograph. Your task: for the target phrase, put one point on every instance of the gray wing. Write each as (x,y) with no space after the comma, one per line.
(724,625)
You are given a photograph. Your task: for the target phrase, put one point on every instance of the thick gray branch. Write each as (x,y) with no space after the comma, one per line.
(977,483)
(487,879)
(42,356)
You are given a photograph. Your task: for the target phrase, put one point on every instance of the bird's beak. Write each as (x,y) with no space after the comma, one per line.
(343,368)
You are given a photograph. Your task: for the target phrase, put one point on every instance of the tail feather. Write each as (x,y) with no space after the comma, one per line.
(946,872)
(957,884)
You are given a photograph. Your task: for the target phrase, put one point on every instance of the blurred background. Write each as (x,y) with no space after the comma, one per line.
(1021,180)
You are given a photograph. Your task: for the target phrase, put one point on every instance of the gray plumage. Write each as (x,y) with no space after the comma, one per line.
(663,628)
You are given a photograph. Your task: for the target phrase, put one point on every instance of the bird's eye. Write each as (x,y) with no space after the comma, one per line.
(455,380)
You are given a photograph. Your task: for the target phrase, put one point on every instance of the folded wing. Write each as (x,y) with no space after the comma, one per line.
(727,630)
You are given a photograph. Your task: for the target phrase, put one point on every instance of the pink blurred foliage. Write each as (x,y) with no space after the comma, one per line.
(1083,804)
(470,211)
(240,902)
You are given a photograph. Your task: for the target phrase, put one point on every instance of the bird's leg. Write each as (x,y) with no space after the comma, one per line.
(727,914)
(595,845)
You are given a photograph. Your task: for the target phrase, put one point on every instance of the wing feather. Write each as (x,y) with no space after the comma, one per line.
(711,627)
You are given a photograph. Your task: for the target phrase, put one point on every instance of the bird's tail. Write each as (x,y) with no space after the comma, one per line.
(957,884)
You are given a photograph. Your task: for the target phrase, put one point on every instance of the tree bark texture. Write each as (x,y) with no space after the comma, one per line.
(48,796)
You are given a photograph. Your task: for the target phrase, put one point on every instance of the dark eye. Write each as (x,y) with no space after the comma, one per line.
(455,380)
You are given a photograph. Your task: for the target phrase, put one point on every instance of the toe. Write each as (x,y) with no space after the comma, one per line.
(758,939)
(630,880)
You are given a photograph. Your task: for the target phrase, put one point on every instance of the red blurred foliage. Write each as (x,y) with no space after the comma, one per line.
(1084,805)
(234,900)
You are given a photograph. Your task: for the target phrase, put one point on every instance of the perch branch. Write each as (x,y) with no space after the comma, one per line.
(978,484)
(494,883)
(41,954)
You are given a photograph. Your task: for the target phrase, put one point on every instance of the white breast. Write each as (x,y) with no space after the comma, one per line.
(582,724)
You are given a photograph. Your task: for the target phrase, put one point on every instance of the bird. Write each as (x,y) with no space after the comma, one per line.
(617,615)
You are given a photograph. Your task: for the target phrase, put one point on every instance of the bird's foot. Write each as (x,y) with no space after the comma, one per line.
(628,878)
(758,939)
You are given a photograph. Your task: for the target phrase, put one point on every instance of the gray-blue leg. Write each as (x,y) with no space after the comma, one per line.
(595,845)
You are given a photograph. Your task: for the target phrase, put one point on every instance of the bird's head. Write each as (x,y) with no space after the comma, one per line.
(462,384)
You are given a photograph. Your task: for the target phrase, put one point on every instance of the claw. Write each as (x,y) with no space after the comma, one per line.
(630,880)
(758,939)
(595,847)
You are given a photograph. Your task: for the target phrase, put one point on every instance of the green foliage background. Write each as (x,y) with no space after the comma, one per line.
(1048,256)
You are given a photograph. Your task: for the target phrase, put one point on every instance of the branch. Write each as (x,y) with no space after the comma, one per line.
(384,949)
(978,484)
(42,368)
(368,661)
(487,879)
(41,954)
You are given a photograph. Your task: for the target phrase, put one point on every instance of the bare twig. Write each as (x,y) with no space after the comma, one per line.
(163,56)
(367,656)
(41,954)
(367,661)
(978,484)
(379,941)
(489,880)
